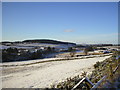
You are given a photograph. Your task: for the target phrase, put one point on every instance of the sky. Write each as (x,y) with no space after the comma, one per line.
(79,22)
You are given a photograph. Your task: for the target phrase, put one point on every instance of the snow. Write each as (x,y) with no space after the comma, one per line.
(28,62)
(33,45)
(19,47)
(37,44)
(46,45)
(43,75)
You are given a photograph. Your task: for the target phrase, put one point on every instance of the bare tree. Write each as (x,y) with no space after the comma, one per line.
(72,54)
(86,51)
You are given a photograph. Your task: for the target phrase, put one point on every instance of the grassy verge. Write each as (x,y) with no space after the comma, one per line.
(103,68)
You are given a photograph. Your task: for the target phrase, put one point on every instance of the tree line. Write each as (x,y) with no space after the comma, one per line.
(13,54)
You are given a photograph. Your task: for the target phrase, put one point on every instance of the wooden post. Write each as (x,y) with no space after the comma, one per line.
(98,83)
(87,82)
(110,73)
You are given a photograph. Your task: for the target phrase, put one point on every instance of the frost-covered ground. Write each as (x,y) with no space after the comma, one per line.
(46,45)
(18,63)
(30,46)
(43,75)
(15,46)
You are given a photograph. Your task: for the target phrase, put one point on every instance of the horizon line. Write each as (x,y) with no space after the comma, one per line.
(55,40)
(59,1)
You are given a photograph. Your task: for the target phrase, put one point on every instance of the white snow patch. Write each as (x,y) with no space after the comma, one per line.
(44,74)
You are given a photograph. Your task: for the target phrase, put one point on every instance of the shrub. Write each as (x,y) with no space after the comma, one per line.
(97,64)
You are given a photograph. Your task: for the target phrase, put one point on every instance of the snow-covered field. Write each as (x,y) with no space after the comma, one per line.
(30,46)
(19,47)
(43,75)
(18,63)
(46,45)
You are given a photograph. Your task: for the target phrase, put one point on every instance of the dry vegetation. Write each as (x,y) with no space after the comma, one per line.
(103,68)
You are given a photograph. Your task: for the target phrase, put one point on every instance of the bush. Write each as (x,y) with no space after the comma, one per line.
(97,64)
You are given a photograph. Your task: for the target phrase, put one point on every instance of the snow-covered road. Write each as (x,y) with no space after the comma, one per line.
(43,75)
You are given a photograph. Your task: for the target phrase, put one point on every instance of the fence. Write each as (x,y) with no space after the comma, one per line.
(90,84)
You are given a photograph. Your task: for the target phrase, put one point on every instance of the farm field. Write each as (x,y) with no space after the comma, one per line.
(42,75)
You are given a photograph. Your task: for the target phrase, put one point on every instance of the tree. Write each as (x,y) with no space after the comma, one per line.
(36,55)
(72,51)
(87,49)
(12,50)
(49,49)
(72,54)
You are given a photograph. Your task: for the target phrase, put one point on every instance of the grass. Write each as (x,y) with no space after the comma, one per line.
(103,68)
(106,68)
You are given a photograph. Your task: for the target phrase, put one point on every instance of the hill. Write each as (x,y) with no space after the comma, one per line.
(47,41)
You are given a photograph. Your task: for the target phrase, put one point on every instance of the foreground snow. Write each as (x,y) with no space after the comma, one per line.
(43,75)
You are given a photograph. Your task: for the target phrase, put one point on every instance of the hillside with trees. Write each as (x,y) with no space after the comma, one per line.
(47,41)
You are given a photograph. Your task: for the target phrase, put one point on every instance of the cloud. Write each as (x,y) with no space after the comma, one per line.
(69,30)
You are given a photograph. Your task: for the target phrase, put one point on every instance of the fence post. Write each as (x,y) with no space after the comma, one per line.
(111,72)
